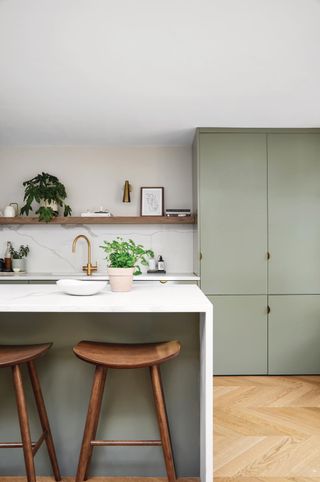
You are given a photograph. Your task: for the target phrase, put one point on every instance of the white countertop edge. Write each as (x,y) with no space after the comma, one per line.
(175,298)
(115,309)
(97,276)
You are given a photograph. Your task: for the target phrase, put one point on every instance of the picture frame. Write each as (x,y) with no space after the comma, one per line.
(152,201)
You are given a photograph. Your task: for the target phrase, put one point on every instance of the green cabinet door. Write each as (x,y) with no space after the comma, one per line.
(239,335)
(294,334)
(294,213)
(233,213)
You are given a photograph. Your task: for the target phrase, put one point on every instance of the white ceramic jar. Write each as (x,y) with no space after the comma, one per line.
(11,210)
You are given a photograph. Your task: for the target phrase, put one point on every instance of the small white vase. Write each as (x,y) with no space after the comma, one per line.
(19,265)
(121,278)
(11,211)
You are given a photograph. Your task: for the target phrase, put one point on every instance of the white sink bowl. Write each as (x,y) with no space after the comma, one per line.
(80,288)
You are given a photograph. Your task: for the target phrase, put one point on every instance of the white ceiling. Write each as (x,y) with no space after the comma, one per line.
(135,72)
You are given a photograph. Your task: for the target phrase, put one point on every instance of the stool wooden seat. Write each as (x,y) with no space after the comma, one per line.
(17,354)
(124,356)
(120,355)
(13,356)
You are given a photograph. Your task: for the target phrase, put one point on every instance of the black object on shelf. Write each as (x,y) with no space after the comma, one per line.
(156,271)
(178,212)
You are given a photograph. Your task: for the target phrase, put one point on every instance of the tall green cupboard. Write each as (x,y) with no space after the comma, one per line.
(257,194)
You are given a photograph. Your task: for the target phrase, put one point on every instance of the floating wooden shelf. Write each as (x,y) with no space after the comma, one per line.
(100,220)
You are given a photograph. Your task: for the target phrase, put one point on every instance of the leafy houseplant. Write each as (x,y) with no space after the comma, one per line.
(49,192)
(124,259)
(19,257)
(22,253)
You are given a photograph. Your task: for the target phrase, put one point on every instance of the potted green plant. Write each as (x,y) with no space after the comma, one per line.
(19,258)
(124,259)
(49,193)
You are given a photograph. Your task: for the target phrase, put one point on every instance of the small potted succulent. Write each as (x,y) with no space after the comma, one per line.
(49,193)
(124,259)
(19,258)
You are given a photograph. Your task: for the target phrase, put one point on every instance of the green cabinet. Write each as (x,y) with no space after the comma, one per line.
(233,213)
(258,197)
(294,334)
(239,335)
(294,213)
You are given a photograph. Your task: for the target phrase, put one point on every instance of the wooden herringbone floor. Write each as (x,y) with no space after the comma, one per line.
(267,429)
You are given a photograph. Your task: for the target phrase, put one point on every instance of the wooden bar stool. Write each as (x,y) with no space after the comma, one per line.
(13,356)
(114,355)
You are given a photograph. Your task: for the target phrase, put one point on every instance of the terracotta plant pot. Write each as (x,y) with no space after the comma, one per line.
(121,278)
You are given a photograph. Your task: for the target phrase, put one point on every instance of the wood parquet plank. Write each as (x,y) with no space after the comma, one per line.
(269,479)
(267,429)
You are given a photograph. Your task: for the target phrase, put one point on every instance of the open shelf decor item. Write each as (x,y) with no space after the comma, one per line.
(152,201)
(46,190)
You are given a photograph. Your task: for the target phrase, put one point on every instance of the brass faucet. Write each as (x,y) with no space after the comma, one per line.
(89,268)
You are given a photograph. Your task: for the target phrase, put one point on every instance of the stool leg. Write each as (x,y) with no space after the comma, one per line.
(163,422)
(24,423)
(96,421)
(91,422)
(44,419)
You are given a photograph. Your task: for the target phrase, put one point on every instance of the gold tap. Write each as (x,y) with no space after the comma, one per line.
(89,268)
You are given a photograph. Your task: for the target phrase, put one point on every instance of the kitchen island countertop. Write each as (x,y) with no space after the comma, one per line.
(48,298)
(179,298)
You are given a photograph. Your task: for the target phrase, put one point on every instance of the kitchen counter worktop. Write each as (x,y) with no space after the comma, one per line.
(98,276)
(155,299)
(48,298)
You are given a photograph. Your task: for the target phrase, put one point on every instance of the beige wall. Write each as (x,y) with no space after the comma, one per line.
(94,176)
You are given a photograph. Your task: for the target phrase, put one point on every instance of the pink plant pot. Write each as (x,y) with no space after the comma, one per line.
(120,278)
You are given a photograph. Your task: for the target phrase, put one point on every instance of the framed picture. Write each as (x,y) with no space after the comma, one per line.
(152,201)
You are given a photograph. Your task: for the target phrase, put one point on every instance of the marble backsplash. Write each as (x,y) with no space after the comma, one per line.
(50,246)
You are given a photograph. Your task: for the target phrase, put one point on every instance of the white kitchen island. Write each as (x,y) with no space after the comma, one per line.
(142,299)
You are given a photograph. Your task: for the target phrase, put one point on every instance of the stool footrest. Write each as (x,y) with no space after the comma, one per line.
(125,443)
(11,445)
(37,445)
(19,445)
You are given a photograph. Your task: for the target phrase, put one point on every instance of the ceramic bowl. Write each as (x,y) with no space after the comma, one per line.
(80,288)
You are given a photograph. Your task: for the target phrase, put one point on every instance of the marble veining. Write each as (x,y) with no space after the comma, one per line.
(50,246)
(48,298)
